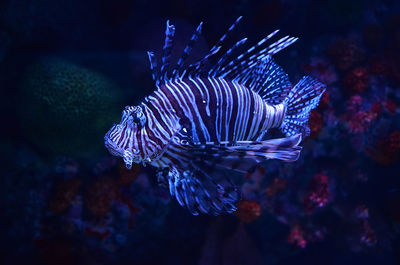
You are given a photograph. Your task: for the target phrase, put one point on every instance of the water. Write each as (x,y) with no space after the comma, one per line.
(68,69)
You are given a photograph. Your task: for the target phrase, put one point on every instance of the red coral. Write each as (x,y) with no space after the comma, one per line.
(358,120)
(357,80)
(99,196)
(324,102)
(277,185)
(100,235)
(386,151)
(248,211)
(133,210)
(345,53)
(386,65)
(391,106)
(296,236)
(318,193)
(368,236)
(376,108)
(394,142)
(64,194)
(354,103)
(361,121)
(378,66)
(322,70)
(315,123)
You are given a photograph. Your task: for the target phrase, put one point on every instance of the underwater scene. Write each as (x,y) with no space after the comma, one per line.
(200,132)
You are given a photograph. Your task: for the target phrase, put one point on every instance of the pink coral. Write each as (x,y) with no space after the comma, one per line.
(248,211)
(354,103)
(368,236)
(318,193)
(361,121)
(296,236)
(357,80)
(391,106)
(277,185)
(322,70)
(325,99)
(315,123)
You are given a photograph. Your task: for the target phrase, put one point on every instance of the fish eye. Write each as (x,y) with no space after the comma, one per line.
(138,117)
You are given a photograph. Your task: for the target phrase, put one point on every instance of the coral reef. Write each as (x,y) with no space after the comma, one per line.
(65,107)
(66,201)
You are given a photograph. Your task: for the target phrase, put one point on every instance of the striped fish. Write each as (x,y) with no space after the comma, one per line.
(207,119)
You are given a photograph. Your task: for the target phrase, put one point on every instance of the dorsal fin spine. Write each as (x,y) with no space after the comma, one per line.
(187,50)
(169,35)
(261,55)
(197,66)
(153,68)
(222,60)
(252,48)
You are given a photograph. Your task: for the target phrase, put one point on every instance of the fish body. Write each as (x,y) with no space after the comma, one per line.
(202,122)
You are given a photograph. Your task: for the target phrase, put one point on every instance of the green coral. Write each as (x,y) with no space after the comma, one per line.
(66,108)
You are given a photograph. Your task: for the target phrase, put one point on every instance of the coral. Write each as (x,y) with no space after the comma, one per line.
(368,236)
(378,66)
(386,65)
(100,235)
(321,69)
(296,236)
(390,106)
(324,103)
(65,107)
(345,53)
(318,193)
(99,196)
(394,142)
(64,194)
(354,104)
(315,123)
(277,186)
(357,80)
(361,121)
(386,150)
(376,108)
(248,211)
(82,206)
(133,210)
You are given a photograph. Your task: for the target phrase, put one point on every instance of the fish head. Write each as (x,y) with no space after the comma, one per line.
(128,138)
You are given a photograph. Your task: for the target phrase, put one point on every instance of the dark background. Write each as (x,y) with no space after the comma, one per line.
(68,68)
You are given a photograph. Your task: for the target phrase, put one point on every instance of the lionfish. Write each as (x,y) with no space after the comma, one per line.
(207,119)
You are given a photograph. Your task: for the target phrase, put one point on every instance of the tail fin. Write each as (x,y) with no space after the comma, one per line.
(301,100)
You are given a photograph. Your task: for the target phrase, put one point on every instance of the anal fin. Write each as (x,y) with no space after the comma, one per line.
(198,172)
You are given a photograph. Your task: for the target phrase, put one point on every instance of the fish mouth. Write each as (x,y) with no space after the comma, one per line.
(116,150)
(112,147)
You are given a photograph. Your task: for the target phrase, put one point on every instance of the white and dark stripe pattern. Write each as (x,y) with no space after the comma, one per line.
(143,143)
(212,109)
(211,116)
